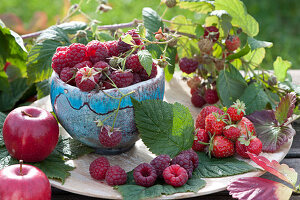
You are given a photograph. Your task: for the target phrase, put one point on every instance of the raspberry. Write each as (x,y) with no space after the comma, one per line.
(133,63)
(212,33)
(112,47)
(144,76)
(115,175)
(170,3)
(200,121)
(232,42)
(107,85)
(201,135)
(59,61)
(100,65)
(98,168)
(76,53)
(188,65)
(61,48)
(122,78)
(160,163)
(193,157)
(232,132)
(83,64)
(97,51)
(136,78)
(175,175)
(206,46)
(135,36)
(67,74)
(110,138)
(144,175)
(87,78)
(123,46)
(197,100)
(211,96)
(184,161)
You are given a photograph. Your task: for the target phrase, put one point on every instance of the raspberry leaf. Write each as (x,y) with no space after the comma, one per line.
(244,51)
(282,171)
(2,118)
(152,22)
(285,108)
(243,189)
(220,167)
(170,68)
(237,10)
(164,128)
(230,85)
(199,6)
(256,44)
(145,59)
(127,39)
(280,68)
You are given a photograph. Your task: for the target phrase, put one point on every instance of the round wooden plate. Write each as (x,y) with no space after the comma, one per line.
(80,181)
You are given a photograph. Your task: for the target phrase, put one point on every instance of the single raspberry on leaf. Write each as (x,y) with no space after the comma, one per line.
(59,61)
(236,111)
(109,137)
(184,161)
(144,175)
(197,100)
(160,163)
(144,76)
(112,47)
(122,78)
(87,78)
(115,175)
(133,63)
(193,157)
(246,125)
(251,144)
(67,75)
(76,53)
(232,132)
(97,51)
(215,123)
(201,136)
(175,175)
(232,42)
(188,65)
(98,168)
(211,96)
(200,121)
(222,147)
(83,64)
(211,32)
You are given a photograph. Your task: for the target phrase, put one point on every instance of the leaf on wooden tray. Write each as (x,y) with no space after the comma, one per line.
(164,128)
(285,108)
(258,188)
(216,167)
(131,191)
(282,171)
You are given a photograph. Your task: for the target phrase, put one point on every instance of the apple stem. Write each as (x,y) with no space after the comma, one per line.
(25,113)
(21,163)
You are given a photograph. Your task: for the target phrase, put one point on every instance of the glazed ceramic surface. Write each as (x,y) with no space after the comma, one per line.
(78,111)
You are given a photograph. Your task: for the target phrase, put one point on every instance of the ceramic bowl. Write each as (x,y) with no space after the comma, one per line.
(77,111)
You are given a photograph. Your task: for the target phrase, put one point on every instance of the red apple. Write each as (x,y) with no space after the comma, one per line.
(30,133)
(24,182)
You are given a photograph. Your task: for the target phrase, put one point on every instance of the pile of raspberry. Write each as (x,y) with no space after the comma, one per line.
(96,65)
(223,132)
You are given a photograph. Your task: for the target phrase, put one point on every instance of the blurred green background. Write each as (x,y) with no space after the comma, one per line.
(279,20)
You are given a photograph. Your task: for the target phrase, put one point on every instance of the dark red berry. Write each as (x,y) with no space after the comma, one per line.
(61,48)
(115,175)
(76,53)
(175,175)
(184,161)
(98,168)
(211,96)
(232,42)
(212,33)
(59,61)
(135,36)
(122,78)
(101,65)
(123,46)
(97,51)
(83,64)
(197,100)
(109,137)
(144,76)
(144,175)
(193,157)
(133,63)
(87,78)
(112,47)
(160,163)
(188,65)
(67,75)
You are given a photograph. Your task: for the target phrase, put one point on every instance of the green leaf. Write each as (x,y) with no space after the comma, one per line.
(170,68)
(43,88)
(145,59)
(181,24)
(285,108)
(8,99)
(199,31)
(165,128)
(220,167)
(255,57)
(2,119)
(131,191)
(254,98)
(230,85)
(152,22)
(89,8)
(244,51)
(105,36)
(71,148)
(5,158)
(127,39)
(4,84)
(280,68)
(237,10)
(255,44)
(199,6)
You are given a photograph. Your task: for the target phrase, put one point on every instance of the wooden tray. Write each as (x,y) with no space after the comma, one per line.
(80,181)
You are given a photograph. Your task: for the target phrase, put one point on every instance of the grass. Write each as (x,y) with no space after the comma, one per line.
(279,20)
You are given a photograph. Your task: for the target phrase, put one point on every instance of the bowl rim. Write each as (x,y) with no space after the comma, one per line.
(160,75)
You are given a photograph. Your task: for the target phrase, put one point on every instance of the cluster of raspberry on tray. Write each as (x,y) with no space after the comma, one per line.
(175,172)
(96,65)
(222,134)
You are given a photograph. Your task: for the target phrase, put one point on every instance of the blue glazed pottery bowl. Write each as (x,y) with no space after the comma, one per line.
(77,111)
